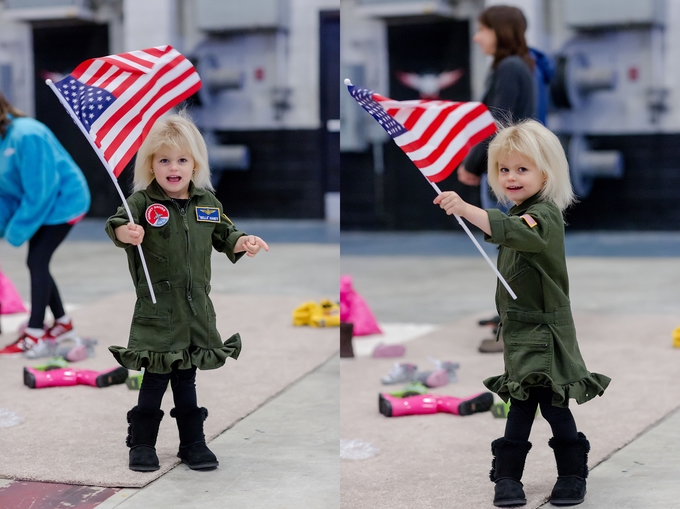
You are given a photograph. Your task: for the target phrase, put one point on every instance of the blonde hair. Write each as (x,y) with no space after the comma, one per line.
(177,131)
(532,140)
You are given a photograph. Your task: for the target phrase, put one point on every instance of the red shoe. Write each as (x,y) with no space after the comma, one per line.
(61,331)
(20,346)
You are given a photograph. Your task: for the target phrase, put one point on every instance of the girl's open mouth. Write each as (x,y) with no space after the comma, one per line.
(514,188)
(174,179)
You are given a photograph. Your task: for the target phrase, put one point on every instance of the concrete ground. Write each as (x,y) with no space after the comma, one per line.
(412,281)
(424,279)
(283,455)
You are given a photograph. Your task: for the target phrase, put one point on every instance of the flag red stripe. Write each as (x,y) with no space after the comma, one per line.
(455,130)
(449,168)
(112,62)
(81,68)
(114,123)
(126,83)
(140,61)
(138,118)
(414,114)
(120,90)
(110,80)
(122,135)
(156,52)
(121,62)
(413,118)
(132,101)
(432,128)
(98,73)
(460,155)
(147,127)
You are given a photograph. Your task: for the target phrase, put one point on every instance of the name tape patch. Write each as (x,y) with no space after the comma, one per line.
(157,215)
(208,214)
(529,220)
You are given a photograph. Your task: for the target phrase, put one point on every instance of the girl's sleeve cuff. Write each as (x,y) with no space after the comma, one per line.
(110,228)
(497,223)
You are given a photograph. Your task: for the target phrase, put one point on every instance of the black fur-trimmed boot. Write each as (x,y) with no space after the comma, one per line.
(141,438)
(571,457)
(507,467)
(192,448)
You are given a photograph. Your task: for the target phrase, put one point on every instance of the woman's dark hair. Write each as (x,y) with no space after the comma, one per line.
(509,25)
(7,109)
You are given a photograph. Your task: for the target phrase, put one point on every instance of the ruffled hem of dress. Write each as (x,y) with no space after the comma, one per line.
(164,362)
(583,390)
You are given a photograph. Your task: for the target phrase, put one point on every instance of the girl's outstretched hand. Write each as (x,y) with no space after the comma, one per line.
(451,203)
(251,244)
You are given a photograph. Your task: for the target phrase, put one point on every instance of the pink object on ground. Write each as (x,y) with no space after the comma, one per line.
(437,378)
(465,406)
(88,377)
(77,353)
(391,406)
(353,309)
(65,377)
(10,300)
(389,351)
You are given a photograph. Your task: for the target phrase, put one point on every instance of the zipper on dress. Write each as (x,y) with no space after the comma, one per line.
(183,213)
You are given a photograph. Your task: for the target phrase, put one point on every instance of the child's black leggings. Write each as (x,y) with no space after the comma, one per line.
(182,381)
(522,413)
(44,291)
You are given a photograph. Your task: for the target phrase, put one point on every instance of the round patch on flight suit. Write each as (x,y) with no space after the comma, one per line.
(157,215)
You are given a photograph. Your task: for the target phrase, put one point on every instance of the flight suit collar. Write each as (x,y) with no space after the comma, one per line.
(520,209)
(156,192)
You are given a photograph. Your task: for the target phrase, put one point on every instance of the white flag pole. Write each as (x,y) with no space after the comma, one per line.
(474,240)
(467,230)
(111,174)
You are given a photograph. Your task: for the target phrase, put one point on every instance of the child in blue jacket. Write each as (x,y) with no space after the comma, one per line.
(43,194)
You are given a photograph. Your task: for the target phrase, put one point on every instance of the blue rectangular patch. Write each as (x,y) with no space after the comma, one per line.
(208,214)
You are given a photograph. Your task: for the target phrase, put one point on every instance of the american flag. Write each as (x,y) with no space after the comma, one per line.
(436,135)
(117,98)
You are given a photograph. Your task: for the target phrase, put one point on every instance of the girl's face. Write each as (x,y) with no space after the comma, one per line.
(485,38)
(519,177)
(173,168)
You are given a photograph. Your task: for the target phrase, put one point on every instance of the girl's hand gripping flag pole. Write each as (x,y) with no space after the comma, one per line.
(435,135)
(115,100)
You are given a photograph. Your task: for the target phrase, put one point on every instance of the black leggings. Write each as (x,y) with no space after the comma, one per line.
(182,381)
(522,413)
(44,290)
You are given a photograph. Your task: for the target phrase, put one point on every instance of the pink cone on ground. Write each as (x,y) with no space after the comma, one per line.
(353,309)
(10,300)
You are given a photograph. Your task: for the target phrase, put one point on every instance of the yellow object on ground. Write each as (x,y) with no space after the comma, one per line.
(676,337)
(317,314)
(303,313)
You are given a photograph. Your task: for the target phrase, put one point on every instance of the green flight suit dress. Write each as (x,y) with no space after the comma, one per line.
(179,331)
(540,347)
